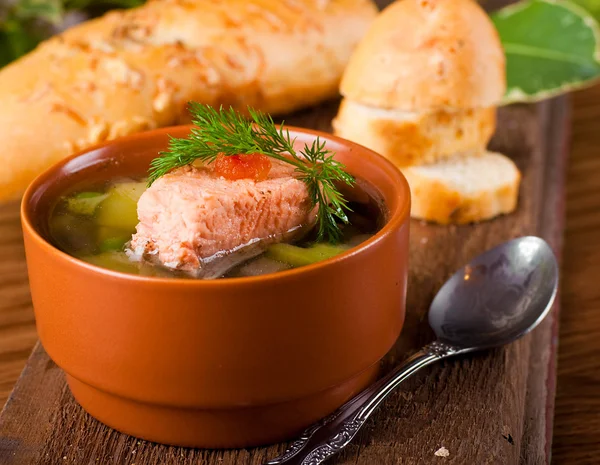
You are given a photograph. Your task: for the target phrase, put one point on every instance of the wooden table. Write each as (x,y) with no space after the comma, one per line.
(577,416)
(577,422)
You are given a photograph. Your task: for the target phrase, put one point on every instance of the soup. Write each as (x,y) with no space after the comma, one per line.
(96,222)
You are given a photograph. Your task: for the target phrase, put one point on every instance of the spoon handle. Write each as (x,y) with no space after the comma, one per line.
(333,433)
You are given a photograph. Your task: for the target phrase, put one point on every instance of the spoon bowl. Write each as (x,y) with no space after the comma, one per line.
(498,297)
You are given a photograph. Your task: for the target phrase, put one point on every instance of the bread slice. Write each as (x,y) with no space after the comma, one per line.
(424,55)
(411,138)
(464,188)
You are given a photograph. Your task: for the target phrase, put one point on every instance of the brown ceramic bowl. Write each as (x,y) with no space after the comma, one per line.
(223,363)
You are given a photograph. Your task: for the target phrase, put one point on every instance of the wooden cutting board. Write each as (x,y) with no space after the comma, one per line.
(491,408)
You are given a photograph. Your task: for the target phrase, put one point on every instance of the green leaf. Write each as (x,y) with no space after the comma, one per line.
(592,6)
(46,10)
(551,47)
(84,4)
(15,40)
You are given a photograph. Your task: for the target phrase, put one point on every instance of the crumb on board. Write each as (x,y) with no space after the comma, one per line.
(442,452)
(509,438)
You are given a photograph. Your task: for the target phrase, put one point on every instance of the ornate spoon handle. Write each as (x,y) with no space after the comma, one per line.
(333,433)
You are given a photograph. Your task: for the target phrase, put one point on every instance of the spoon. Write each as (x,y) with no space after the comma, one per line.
(494,300)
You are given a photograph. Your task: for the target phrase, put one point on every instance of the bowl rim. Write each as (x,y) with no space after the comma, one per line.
(395,221)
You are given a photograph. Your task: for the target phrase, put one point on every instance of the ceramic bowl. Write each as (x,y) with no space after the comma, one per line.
(217,363)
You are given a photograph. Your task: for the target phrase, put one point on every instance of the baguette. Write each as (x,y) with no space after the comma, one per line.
(412,138)
(464,188)
(135,70)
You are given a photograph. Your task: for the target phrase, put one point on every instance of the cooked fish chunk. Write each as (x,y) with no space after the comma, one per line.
(192,217)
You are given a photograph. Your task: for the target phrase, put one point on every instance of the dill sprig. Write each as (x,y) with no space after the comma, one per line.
(227,132)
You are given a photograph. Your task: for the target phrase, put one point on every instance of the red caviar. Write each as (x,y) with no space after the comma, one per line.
(244,166)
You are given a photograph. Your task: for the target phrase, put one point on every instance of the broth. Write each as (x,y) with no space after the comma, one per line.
(94,223)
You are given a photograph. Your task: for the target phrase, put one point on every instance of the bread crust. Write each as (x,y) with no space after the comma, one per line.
(407,138)
(425,55)
(436,200)
(135,70)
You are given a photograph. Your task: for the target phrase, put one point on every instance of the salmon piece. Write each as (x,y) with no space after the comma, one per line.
(191,217)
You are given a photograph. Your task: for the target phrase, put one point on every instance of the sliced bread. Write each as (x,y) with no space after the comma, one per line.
(413,138)
(464,188)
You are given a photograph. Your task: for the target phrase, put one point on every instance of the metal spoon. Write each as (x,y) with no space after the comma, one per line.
(494,300)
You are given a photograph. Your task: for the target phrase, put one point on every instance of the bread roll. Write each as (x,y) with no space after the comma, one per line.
(421,89)
(464,188)
(426,55)
(134,70)
(412,138)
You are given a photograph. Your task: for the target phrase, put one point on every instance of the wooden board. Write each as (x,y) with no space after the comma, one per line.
(491,408)
(577,413)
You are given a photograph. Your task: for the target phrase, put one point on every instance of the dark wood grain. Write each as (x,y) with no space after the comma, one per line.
(17,330)
(489,408)
(577,420)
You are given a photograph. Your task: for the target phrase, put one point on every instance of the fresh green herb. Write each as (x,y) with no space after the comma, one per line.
(25,23)
(227,132)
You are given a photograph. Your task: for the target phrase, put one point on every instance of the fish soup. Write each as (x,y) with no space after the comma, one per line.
(96,223)
(237,197)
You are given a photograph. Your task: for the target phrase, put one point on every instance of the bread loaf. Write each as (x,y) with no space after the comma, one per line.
(412,138)
(424,82)
(464,188)
(422,89)
(135,70)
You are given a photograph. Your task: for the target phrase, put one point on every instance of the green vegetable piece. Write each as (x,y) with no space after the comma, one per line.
(551,47)
(119,209)
(328,250)
(113,243)
(104,232)
(116,261)
(299,256)
(85,203)
(132,190)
